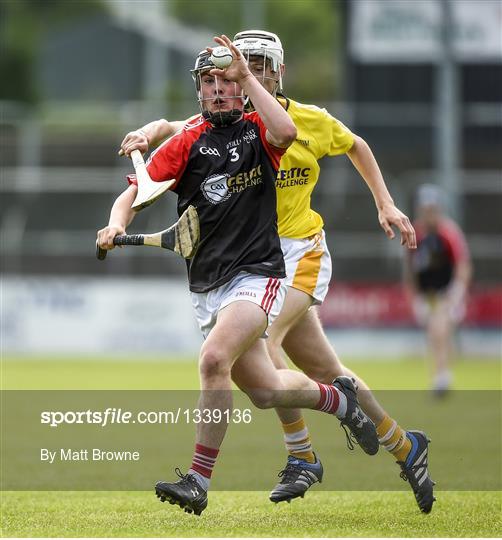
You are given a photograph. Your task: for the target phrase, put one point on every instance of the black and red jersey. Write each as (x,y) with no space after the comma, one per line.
(437,254)
(228,173)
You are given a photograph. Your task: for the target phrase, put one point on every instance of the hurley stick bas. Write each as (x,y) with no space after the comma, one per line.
(182,237)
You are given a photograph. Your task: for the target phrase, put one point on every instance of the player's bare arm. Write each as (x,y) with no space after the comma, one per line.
(121,215)
(388,214)
(461,278)
(281,130)
(463,273)
(149,136)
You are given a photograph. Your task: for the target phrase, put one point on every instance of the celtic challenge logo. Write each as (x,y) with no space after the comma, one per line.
(215,188)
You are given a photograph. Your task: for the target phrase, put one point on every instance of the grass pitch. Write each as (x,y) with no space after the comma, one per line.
(320,514)
(27,373)
(234,514)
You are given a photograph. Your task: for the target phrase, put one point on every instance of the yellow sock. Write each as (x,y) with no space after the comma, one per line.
(393,438)
(297,440)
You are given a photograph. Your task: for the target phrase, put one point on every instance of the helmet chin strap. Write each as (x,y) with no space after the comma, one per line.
(222,118)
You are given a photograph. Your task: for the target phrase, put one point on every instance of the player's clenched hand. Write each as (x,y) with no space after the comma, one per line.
(134,140)
(390,216)
(238,69)
(105,236)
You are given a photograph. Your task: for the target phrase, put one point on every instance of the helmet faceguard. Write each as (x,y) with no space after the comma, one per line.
(203,64)
(264,44)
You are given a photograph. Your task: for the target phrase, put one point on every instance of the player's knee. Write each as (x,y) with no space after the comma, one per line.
(439,328)
(322,374)
(263,398)
(214,363)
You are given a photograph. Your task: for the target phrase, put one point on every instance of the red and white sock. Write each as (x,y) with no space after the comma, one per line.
(203,462)
(332,401)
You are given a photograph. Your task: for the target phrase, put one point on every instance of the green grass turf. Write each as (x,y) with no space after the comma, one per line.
(326,514)
(176,374)
(321,514)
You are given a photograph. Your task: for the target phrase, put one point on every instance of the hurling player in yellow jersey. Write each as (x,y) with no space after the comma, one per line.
(297,330)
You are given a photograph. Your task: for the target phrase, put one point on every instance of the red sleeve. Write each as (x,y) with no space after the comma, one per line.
(169,160)
(274,152)
(455,240)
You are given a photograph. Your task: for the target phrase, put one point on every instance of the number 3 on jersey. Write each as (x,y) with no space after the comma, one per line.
(235,154)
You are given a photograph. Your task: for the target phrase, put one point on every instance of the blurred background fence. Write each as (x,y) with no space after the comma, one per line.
(420,80)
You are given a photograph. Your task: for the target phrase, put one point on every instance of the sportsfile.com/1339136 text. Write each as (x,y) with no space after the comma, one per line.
(115,416)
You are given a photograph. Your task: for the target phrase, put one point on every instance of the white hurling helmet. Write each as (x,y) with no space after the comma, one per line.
(262,43)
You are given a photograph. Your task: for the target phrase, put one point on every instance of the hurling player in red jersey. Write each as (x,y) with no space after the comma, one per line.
(438,275)
(297,330)
(225,163)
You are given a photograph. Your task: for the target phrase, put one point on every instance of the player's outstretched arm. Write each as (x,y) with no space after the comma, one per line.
(281,130)
(149,136)
(462,273)
(121,215)
(457,290)
(388,214)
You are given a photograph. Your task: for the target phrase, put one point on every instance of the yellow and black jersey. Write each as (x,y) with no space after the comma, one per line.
(319,135)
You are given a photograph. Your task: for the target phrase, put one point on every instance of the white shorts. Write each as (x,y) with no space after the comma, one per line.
(268,293)
(308,265)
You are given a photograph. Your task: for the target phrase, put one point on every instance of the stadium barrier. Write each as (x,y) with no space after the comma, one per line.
(92,316)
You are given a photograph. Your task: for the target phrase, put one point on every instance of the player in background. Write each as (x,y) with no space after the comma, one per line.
(298,330)
(225,163)
(437,276)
